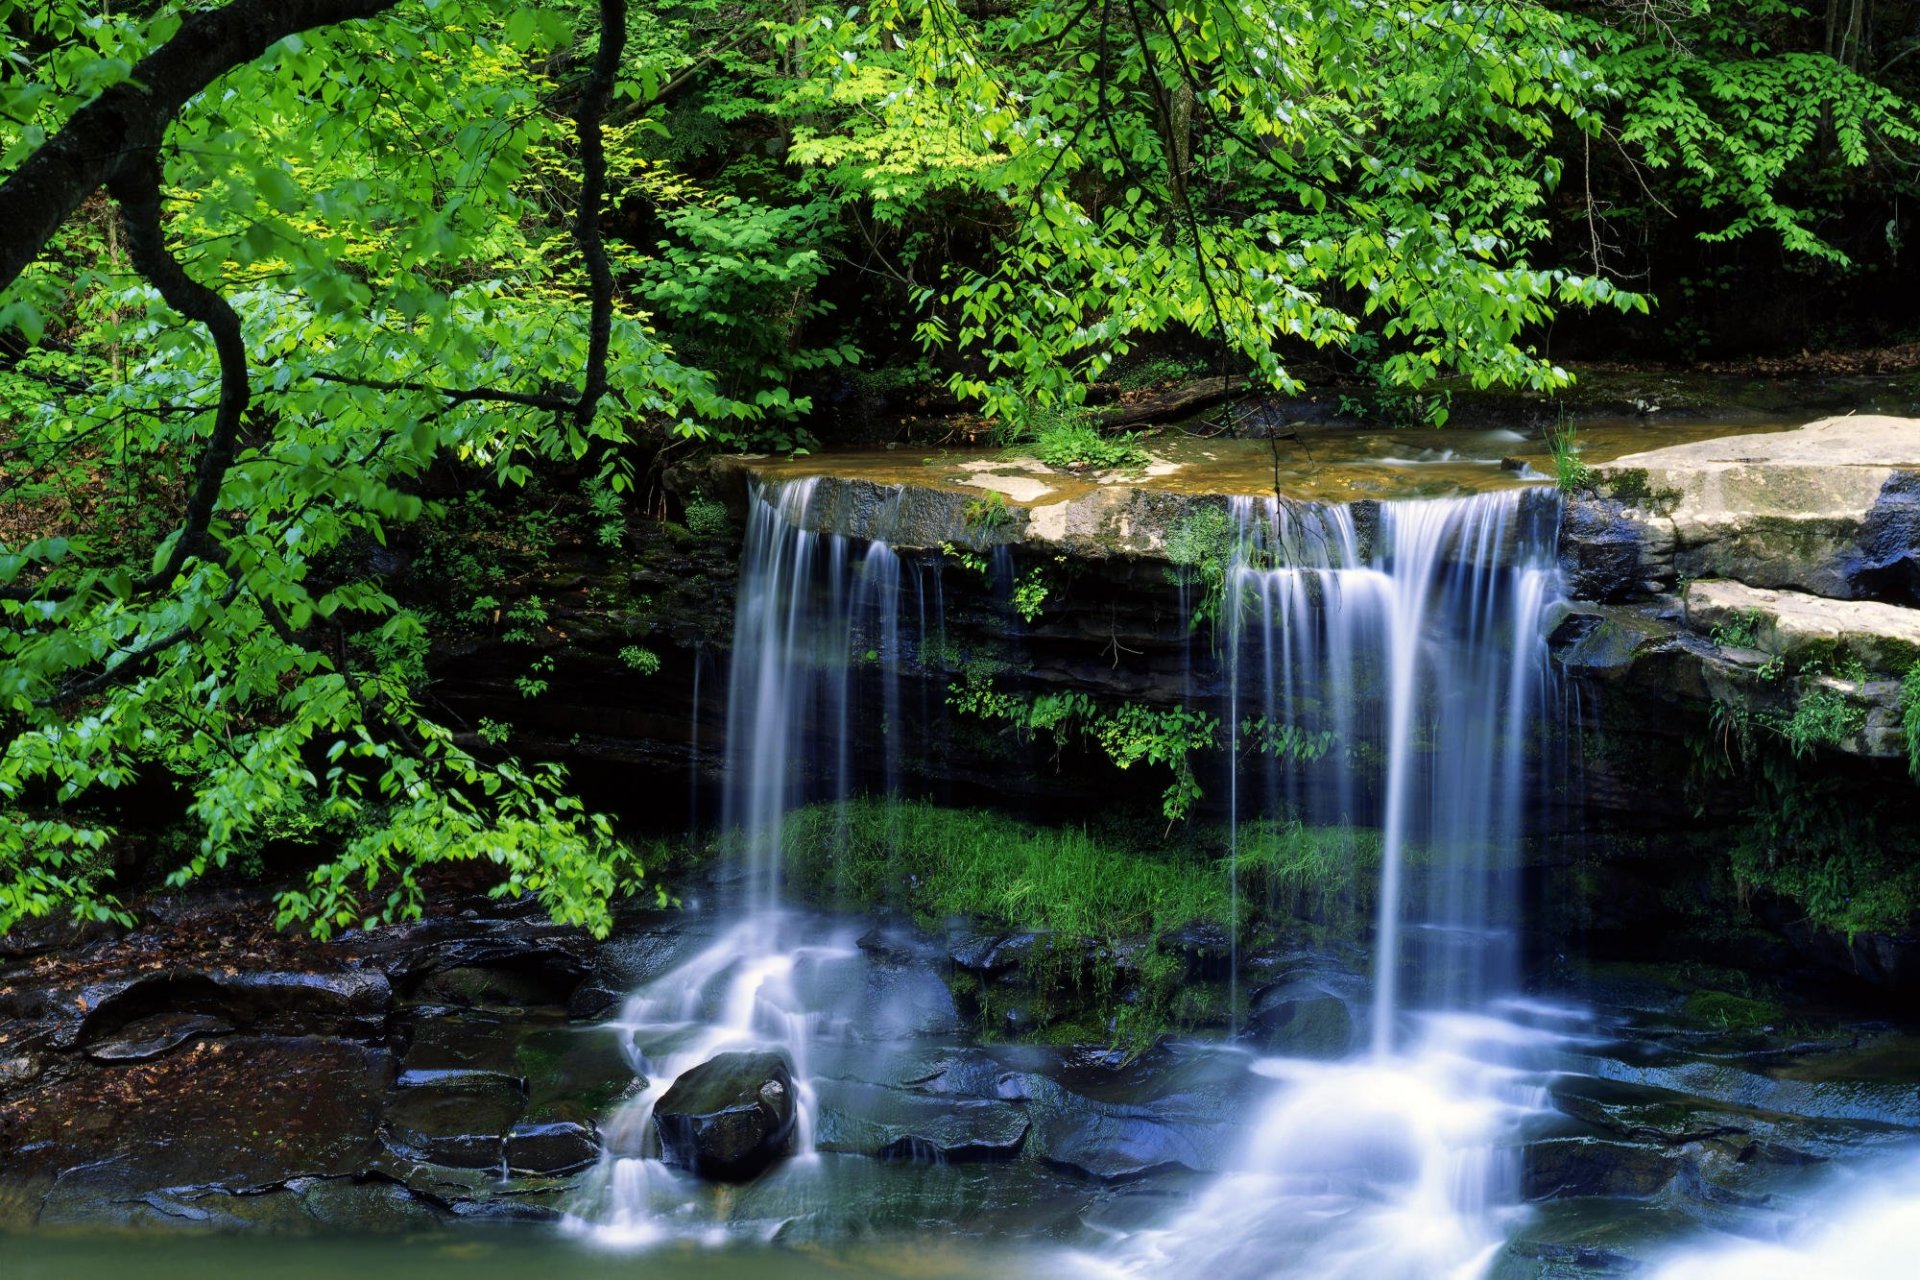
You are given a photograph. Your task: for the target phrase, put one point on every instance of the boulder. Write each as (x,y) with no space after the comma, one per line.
(730,1117)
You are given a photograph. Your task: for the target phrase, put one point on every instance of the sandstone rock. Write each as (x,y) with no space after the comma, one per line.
(1822,509)
(1795,625)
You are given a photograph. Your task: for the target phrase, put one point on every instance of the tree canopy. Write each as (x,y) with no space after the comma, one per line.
(265,263)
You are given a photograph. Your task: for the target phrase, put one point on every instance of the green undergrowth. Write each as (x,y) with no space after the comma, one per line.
(1910,718)
(937,863)
(1834,844)
(1071,440)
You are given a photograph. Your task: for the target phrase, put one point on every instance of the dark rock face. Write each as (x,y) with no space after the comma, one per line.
(1599,551)
(1581,1166)
(457,1118)
(730,1117)
(558,1147)
(150,1037)
(1888,564)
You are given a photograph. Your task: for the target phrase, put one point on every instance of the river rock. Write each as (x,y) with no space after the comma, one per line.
(352,1003)
(458,1118)
(1307,1017)
(730,1117)
(561,1146)
(894,1124)
(1583,1166)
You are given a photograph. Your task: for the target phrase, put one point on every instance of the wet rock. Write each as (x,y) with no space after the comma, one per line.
(149,1037)
(903,1001)
(1138,1133)
(555,1147)
(556,955)
(1205,949)
(894,1124)
(456,1118)
(730,1117)
(1591,1239)
(1601,551)
(894,943)
(1581,1166)
(347,1003)
(1888,564)
(1308,1017)
(236,1113)
(475,986)
(993,954)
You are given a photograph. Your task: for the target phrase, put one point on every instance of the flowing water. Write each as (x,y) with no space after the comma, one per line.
(1422,639)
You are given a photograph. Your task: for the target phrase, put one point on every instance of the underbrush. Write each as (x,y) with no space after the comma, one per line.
(936,863)
(1070,440)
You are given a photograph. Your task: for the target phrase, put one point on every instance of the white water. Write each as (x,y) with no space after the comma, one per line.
(1418,639)
(1863,1225)
(808,610)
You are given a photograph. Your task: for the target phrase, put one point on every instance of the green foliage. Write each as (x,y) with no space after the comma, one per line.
(1830,844)
(1821,718)
(382,202)
(1070,440)
(603,504)
(1910,717)
(1570,472)
(1324,874)
(1285,740)
(644,661)
(706,518)
(1739,630)
(1030,593)
(986,514)
(1730,1012)
(1831,850)
(938,863)
(1128,734)
(1201,548)
(1716,103)
(735,280)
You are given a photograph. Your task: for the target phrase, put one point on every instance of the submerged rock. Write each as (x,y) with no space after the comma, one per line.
(730,1117)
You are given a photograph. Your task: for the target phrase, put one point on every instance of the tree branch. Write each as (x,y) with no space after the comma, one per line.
(593,190)
(136,186)
(129,119)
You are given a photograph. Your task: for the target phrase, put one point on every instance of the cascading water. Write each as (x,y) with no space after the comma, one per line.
(1392,671)
(809,614)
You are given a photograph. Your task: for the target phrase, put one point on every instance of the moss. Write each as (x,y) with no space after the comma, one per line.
(1632,486)
(1730,1012)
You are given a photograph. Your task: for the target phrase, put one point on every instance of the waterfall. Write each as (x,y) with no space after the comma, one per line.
(816,634)
(1389,664)
(1415,651)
